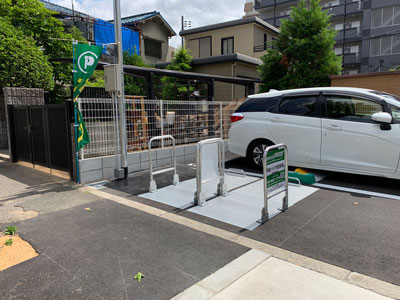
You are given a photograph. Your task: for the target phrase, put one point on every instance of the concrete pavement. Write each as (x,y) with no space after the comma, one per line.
(95,255)
(266,277)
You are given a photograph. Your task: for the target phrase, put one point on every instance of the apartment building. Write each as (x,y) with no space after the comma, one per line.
(368,38)
(230,48)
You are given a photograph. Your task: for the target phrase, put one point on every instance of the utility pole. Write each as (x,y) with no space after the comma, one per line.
(185,24)
(182,28)
(121,171)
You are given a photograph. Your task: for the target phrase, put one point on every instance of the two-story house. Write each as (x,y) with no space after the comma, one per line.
(230,48)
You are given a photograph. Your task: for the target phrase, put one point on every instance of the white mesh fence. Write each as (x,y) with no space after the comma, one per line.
(187,121)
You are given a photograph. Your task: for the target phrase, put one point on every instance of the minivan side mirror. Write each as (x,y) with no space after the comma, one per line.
(382,117)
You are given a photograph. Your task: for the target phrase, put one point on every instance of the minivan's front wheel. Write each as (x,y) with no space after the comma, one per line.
(255,152)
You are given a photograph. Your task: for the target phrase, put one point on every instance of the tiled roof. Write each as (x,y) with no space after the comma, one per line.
(61,9)
(133,20)
(139,17)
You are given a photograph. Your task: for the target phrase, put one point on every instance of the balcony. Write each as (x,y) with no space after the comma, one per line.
(353,33)
(353,7)
(263,3)
(352,58)
(266,3)
(261,48)
(336,10)
(279,19)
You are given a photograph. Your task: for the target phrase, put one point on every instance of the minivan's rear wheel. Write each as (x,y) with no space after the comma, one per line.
(255,153)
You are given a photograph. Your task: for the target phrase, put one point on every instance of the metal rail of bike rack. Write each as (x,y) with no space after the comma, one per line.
(285,203)
(175,181)
(199,196)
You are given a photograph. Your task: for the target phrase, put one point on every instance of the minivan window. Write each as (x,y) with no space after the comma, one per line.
(258,105)
(396,114)
(350,108)
(299,106)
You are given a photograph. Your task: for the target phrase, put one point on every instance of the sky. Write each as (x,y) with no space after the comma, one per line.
(199,12)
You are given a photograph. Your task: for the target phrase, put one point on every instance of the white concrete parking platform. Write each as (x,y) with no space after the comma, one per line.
(241,207)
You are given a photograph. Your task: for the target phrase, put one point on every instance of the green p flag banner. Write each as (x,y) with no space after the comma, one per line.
(85,61)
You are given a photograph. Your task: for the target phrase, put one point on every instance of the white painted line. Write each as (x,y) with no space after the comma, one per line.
(357,191)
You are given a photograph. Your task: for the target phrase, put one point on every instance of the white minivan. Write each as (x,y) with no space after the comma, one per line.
(350,130)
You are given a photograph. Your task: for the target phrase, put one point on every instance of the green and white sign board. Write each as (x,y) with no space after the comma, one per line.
(275,170)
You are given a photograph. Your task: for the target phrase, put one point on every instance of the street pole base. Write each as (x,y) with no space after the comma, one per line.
(175,181)
(263,219)
(121,173)
(200,199)
(153,186)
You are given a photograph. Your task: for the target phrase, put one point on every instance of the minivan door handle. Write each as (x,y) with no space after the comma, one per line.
(276,119)
(334,127)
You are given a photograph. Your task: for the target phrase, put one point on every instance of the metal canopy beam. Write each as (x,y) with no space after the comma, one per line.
(146,72)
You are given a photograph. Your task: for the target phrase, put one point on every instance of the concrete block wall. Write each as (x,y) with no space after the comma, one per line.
(102,168)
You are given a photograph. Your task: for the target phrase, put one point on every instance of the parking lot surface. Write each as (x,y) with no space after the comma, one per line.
(350,230)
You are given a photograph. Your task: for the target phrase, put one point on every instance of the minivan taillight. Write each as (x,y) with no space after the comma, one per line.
(236,117)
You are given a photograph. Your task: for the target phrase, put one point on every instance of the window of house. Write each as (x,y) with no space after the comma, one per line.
(227,45)
(349,108)
(152,48)
(205,47)
(385,45)
(396,14)
(396,43)
(299,106)
(375,47)
(265,41)
(338,50)
(387,17)
(376,17)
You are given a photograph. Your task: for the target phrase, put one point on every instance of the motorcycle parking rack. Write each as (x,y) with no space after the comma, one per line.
(175,180)
(199,196)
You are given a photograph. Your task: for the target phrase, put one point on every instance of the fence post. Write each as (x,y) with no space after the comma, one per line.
(221,122)
(162,122)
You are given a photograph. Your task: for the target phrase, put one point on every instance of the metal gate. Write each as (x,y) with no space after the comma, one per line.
(41,135)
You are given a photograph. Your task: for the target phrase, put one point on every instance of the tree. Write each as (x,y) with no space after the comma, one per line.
(37,24)
(181,61)
(133,86)
(302,55)
(22,63)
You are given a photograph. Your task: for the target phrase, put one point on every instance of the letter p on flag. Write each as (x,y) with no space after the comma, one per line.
(89,61)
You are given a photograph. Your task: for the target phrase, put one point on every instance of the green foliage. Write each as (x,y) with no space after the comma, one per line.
(139,276)
(22,63)
(8,242)
(10,230)
(97,79)
(302,55)
(172,88)
(133,85)
(37,27)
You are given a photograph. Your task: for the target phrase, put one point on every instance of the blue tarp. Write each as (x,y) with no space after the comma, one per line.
(104,34)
